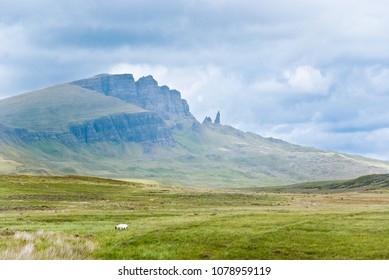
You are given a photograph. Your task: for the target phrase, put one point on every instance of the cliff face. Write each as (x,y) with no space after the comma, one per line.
(144,93)
(120,86)
(141,128)
(24,136)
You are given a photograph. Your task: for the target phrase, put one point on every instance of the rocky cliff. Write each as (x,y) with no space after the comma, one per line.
(140,128)
(24,136)
(144,93)
(143,128)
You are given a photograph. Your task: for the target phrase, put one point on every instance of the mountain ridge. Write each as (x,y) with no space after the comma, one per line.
(145,93)
(113,126)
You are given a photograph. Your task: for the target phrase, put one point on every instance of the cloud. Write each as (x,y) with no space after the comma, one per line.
(11,37)
(378,77)
(368,143)
(308,79)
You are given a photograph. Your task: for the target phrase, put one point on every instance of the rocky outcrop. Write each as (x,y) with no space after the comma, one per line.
(22,135)
(120,86)
(144,93)
(217,119)
(207,120)
(140,128)
(144,128)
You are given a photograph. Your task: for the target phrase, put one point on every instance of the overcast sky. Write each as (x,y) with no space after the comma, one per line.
(314,73)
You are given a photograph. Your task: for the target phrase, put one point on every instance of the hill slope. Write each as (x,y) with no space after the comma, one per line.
(373,182)
(54,108)
(113,126)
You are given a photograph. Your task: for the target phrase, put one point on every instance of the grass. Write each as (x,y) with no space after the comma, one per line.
(74,218)
(46,245)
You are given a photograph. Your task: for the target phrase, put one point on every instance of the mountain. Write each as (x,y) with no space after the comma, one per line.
(113,126)
(144,93)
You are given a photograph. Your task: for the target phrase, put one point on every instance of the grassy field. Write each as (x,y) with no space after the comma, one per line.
(74,218)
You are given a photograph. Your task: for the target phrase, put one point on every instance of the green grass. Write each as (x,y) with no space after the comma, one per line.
(74,218)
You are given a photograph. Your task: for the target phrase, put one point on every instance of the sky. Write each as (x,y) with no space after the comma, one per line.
(314,73)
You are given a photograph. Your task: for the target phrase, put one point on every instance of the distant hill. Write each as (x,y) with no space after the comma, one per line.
(113,126)
(364,183)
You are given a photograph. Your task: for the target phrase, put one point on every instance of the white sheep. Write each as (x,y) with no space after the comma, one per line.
(121,226)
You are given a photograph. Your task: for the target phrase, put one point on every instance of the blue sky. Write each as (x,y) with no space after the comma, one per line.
(314,73)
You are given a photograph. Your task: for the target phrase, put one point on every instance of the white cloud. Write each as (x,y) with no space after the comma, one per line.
(379,78)
(268,86)
(308,79)
(11,37)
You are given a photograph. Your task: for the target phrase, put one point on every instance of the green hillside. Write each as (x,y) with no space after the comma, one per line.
(371,182)
(167,145)
(53,109)
(215,156)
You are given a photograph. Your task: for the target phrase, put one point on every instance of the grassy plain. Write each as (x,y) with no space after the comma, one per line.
(74,218)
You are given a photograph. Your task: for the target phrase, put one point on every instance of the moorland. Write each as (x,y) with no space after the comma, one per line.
(70,217)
